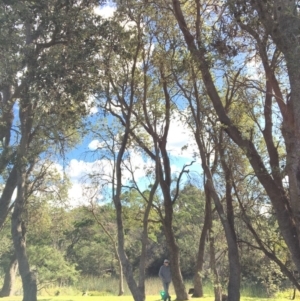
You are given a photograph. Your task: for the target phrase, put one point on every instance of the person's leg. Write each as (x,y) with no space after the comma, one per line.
(169,297)
(166,289)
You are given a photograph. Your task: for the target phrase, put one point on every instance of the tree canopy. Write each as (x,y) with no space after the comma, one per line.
(225,72)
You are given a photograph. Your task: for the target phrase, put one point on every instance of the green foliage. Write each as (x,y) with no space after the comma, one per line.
(6,248)
(51,266)
(56,54)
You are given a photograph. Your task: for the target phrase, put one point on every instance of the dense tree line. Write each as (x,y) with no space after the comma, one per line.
(227,70)
(64,245)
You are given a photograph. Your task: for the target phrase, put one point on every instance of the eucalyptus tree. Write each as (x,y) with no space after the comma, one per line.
(118,90)
(135,203)
(136,93)
(206,132)
(267,30)
(52,46)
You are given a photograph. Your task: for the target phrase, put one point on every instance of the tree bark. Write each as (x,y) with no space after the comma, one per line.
(212,252)
(138,295)
(163,173)
(127,268)
(18,228)
(121,278)
(198,286)
(143,258)
(18,233)
(9,278)
(233,254)
(215,274)
(180,289)
(6,195)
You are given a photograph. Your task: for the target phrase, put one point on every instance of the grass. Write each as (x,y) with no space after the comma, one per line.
(129,298)
(106,289)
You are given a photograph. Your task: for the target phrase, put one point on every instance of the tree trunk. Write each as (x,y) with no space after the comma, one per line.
(143,259)
(18,231)
(137,294)
(127,268)
(9,279)
(233,254)
(198,286)
(121,278)
(215,274)
(180,289)
(6,195)
(163,174)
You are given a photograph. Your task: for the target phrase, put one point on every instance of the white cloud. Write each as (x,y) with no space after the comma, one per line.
(82,194)
(180,140)
(85,189)
(106,11)
(95,144)
(79,168)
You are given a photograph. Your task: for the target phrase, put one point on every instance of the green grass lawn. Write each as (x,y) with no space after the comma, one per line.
(129,298)
(106,289)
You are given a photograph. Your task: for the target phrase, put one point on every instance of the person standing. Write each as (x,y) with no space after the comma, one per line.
(166,278)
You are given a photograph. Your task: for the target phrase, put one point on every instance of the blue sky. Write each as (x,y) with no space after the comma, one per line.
(81,161)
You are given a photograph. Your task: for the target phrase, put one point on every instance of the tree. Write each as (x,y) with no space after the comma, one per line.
(127,91)
(42,70)
(273,21)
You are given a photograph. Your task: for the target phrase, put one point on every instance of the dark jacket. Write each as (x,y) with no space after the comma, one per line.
(165,273)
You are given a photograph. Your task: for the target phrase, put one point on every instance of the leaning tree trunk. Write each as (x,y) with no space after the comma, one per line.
(127,267)
(6,195)
(9,279)
(18,234)
(137,294)
(283,26)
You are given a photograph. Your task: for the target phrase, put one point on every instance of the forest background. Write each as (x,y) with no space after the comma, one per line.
(182,122)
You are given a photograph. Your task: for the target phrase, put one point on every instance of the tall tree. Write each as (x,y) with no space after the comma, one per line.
(132,93)
(273,27)
(39,75)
